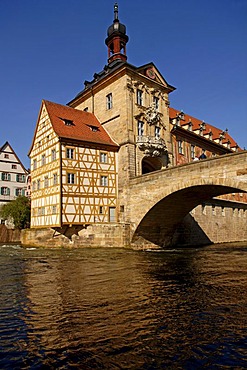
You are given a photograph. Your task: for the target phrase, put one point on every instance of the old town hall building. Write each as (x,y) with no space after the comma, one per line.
(119,126)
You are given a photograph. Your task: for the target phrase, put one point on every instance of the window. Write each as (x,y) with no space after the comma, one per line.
(20,178)
(43,160)
(156,102)
(53,154)
(46,182)
(14,166)
(140,128)
(85,109)
(192,151)
(38,184)
(6,156)
(70,178)
(6,176)
(54,209)
(34,164)
(103,157)
(55,179)
(68,122)
(109,101)
(34,186)
(157,132)
(42,211)
(103,180)
(70,153)
(5,191)
(180,147)
(18,192)
(139,97)
(101,210)
(112,212)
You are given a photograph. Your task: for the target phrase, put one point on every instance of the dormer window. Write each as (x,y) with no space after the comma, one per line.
(190,124)
(68,122)
(181,115)
(93,128)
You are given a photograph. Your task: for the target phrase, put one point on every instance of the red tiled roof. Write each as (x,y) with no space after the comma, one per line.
(216,132)
(81,125)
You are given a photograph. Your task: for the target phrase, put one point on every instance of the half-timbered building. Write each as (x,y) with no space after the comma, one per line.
(74,175)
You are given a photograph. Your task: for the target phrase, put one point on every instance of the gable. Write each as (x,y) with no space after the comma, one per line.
(151,72)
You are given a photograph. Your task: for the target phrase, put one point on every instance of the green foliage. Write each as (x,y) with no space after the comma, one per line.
(19,211)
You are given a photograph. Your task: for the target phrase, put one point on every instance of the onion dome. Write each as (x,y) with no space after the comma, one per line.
(116,39)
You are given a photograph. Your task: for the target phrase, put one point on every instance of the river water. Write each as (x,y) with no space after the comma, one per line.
(123,309)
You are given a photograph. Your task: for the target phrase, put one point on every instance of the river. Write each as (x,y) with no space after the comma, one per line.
(122,309)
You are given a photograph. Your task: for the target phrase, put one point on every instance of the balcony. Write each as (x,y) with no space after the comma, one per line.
(151,145)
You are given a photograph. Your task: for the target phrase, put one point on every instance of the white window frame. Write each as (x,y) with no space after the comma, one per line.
(70,178)
(157,131)
(139,97)
(103,157)
(104,180)
(180,147)
(69,153)
(156,102)
(140,128)
(109,101)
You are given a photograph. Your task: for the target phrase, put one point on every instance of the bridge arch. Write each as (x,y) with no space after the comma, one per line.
(160,222)
(159,200)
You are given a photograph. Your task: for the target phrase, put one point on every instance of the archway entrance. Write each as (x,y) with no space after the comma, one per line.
(151,164)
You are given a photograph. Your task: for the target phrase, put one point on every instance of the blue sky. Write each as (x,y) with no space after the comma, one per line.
(50,47)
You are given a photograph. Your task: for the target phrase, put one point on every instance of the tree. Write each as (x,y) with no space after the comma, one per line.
(18,210)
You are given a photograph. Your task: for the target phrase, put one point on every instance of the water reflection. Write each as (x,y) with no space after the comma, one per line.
(120,309)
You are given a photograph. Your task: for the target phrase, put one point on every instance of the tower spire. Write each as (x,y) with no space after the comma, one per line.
(115,12)
(116,39)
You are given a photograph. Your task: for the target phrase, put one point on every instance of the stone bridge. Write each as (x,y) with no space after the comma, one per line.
(159,201)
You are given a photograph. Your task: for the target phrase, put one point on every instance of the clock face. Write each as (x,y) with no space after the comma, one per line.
(150,73)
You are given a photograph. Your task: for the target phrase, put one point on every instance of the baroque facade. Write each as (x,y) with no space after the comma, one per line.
(81,165)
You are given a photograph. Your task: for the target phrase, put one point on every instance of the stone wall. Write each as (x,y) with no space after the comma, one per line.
(101,235)
(9,235)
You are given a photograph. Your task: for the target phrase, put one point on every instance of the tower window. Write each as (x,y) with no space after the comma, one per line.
(139,97)
(140,128)
(109,101)
(180,147)
(192,151)
(156,102)
(157,132)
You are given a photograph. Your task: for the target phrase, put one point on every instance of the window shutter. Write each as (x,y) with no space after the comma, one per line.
(17,178)
(9,177)
(2,177)
(8,191)
(23,192)
(1,191)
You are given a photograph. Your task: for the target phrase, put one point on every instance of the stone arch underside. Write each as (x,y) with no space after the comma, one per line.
(158,226)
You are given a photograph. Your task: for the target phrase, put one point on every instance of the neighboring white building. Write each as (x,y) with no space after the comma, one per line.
(12,175)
